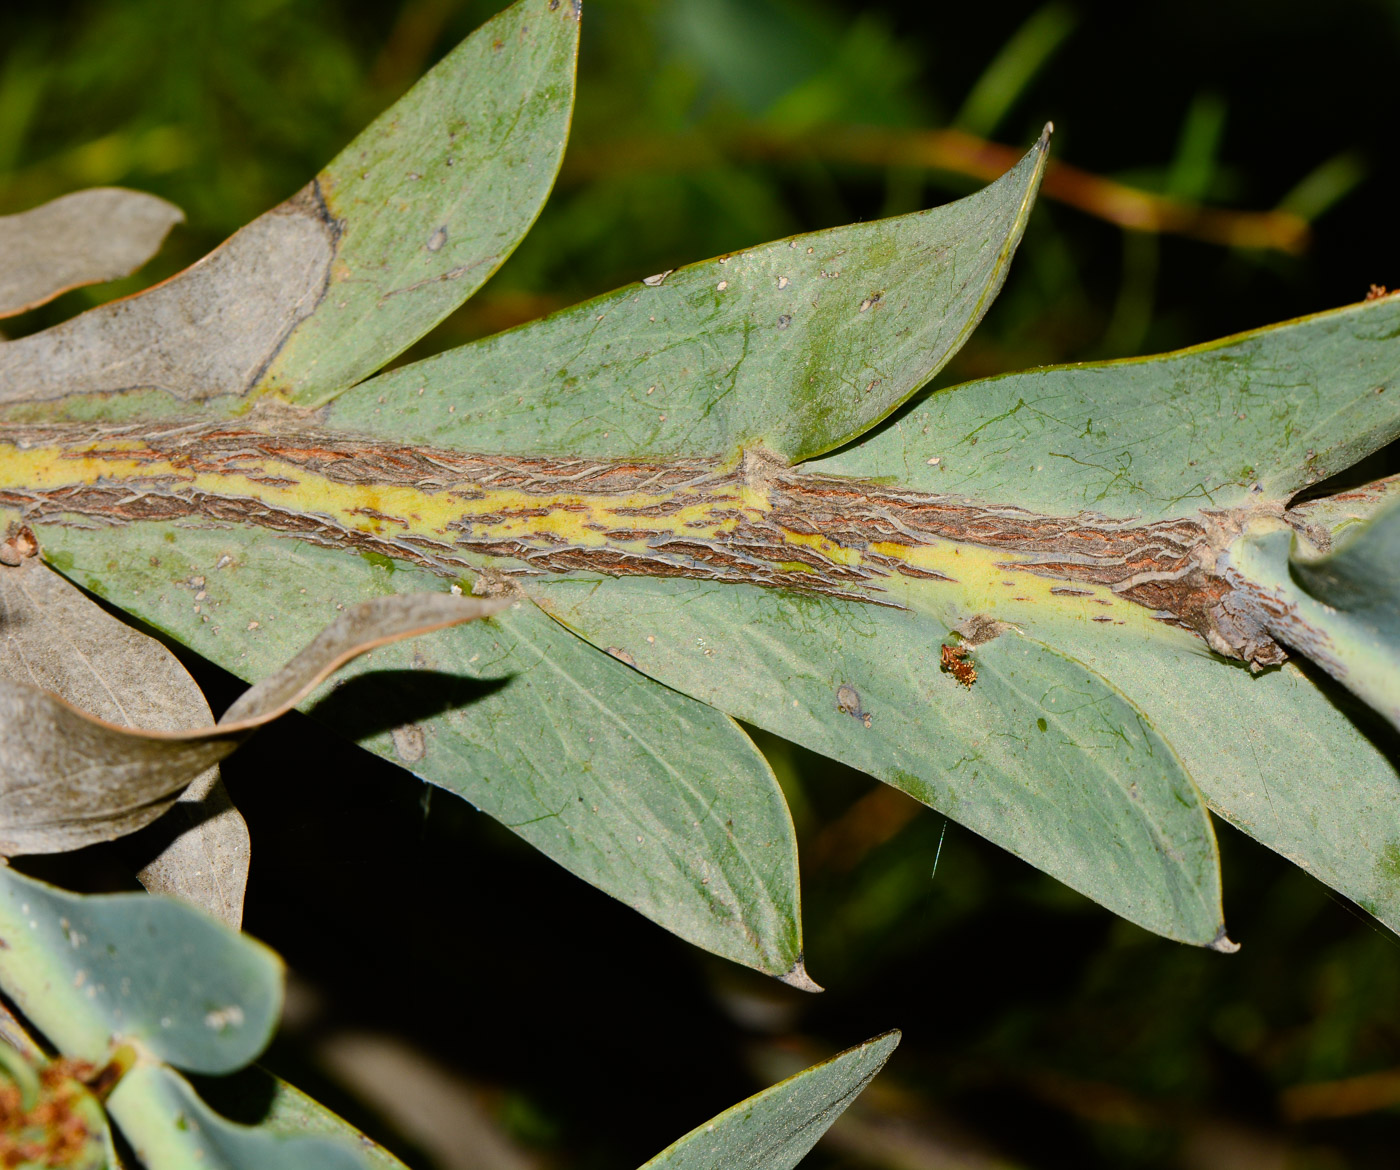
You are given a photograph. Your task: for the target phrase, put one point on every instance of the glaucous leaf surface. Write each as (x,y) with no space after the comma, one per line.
(402,226)
(631,438)
(774,1129)
(170,1128)
(799,345)
(83,238)
(1342,610)
(1297,767)
(1360,577)
(1039,754)
(430,200)
(285,1111)
(54,638)
(91,972)
(660,801)
(1281,408)
(68,778)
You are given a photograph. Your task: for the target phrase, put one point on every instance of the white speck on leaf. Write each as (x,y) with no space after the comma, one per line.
(222,1018)
(653,281)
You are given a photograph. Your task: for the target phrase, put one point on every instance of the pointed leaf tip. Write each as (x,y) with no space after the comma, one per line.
(797,977)
(1224,944)
(774,1129)
(813,339)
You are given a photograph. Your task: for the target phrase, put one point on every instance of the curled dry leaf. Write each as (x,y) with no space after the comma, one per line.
(84,238)
(54,637)
(68,779)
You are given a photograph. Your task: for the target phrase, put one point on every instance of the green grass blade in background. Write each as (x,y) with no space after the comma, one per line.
(774,1129)
(660,801)
(170,1128)
(1282,407)
(90,972)
(1041,754)
(322,290)
(799,344)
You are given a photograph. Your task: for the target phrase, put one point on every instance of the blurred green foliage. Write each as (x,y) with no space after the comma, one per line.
(1040,1032)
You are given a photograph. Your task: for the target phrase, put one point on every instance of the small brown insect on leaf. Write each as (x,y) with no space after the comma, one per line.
(957,661)
(1377,291)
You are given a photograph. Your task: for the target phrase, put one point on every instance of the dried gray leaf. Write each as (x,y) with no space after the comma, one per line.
(84,238)
(54,637)
(210,330)
(358,630)
(199,850)
(68,779)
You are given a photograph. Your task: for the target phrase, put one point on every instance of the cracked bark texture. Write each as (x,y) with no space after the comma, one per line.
(754,521)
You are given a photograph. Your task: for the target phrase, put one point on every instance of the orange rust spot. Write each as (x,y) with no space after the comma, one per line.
(957,661)
(53,1133)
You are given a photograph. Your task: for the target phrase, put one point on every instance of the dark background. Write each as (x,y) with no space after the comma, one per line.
(547,1025)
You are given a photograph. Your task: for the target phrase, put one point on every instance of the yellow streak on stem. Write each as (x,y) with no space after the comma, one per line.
(983,579)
